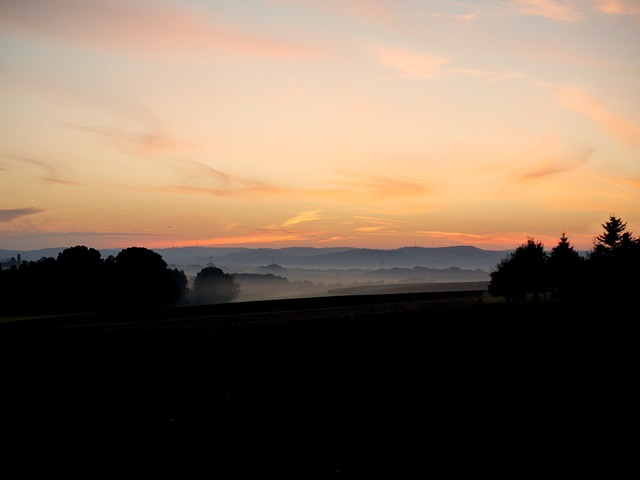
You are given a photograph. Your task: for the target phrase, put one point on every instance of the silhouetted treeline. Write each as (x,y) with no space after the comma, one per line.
(610,269)
(79,279)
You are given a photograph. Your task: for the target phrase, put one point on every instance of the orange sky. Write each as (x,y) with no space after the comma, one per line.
(275,123)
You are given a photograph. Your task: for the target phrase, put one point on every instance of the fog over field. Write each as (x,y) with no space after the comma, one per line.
(267,273)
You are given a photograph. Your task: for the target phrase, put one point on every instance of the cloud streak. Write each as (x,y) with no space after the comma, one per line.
(558,10)
(618,7)
(308,216)
(551,167)
(582,101)
(261,237)
(568,11)
(8,215)
(155,146)
(379,12)
(380,186)
(133,27)
(145,143)
(410,63)
(53,169)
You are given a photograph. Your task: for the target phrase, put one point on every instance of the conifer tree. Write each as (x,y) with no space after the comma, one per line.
(565,269)
(613,237)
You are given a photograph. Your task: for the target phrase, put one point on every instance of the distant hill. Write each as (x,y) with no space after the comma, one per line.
(330,258)
(466,257)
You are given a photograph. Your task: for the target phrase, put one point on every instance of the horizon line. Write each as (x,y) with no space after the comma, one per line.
(220,247)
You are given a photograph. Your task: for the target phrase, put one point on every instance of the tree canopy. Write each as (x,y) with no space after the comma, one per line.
(610,268)
(212,285)
(79,279)
(523,271)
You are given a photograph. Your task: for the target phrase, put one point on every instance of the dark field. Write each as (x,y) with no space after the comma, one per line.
(396,386)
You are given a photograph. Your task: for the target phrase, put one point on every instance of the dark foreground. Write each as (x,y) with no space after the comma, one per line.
(396,386)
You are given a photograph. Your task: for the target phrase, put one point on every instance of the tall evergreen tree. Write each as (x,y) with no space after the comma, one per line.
(615,260)
(565,269)
(613,237)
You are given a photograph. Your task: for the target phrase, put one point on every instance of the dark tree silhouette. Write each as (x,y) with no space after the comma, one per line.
(614,237)
(38,286)
(615,260)
(140,278)
(212,285)
(8,288)
(82,279)
(566,270)
(181,282)
(609,270)
(522,272)
(79,280)
(80,258)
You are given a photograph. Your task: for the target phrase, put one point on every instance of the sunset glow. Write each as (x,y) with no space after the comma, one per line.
(273,123)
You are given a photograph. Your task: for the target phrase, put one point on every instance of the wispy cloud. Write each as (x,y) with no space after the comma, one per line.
(575,10)
(458,17)
(378,225)
(235,188)
(547,167)
(262,237)
(458,238)
(150,141)
(462,12)
(489,75)
(618,7)
(200,179)
(53,170)
(558,10)
(8,215)
(570,11)
(303,217)
(379,12)
(133,27)
(195,177)
(380,186)
(582,101)
(410,63)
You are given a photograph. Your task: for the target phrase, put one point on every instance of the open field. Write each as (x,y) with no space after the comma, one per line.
(330,386)
(410,288)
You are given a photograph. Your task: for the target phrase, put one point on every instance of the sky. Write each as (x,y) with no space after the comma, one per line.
(320,123)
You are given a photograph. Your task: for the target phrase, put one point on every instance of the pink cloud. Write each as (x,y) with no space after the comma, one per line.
(557,10)
(134,27)
(619,7)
